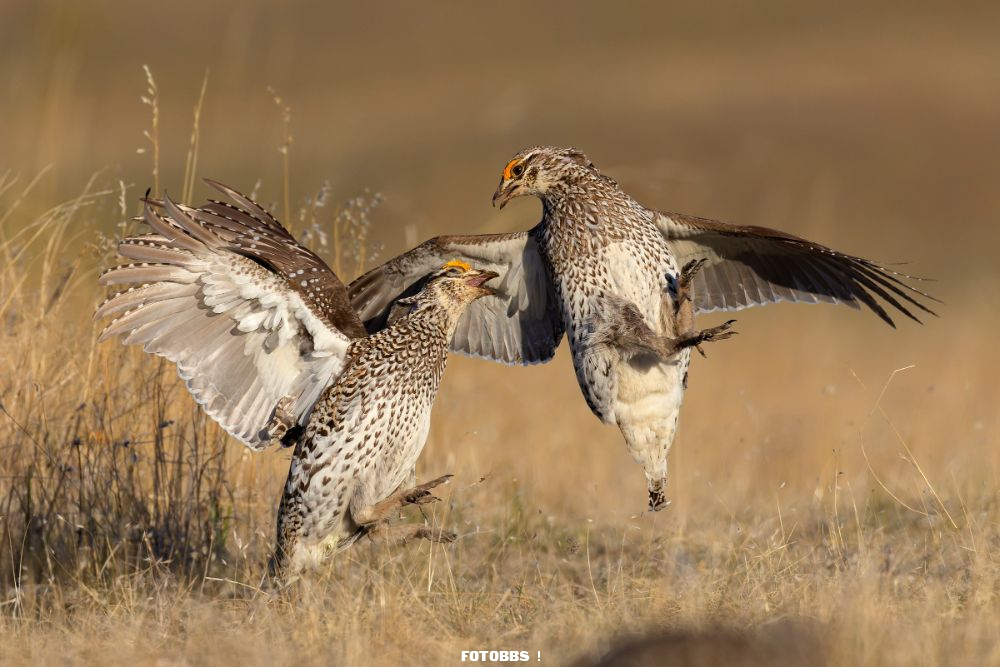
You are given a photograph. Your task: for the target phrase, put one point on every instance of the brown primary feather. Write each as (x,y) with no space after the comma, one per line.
(755,265)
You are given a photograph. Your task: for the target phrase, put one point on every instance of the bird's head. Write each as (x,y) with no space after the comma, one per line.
(458,283)
(541,171)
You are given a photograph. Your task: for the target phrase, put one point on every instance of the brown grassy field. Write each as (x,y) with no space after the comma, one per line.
(834,483)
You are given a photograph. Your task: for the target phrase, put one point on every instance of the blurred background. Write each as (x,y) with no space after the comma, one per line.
(828,469)
(871,128)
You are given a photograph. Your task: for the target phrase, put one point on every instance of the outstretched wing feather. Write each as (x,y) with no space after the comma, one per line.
(750,266)
(521,324)
(227,312)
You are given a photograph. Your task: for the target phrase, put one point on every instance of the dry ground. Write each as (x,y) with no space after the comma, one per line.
(827,505)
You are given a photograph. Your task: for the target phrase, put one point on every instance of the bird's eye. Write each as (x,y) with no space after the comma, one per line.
(454,271)
(517,170)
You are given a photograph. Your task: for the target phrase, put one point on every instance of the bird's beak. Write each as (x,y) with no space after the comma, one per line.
(482,277)
(503,195)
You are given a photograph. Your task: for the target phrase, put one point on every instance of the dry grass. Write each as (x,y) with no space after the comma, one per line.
(834,483)
(134,532)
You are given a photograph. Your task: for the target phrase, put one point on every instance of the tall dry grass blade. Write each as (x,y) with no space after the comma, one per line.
(191,162)
(284,148)
(152,100)
(885,487)
(910,458)
(14,206)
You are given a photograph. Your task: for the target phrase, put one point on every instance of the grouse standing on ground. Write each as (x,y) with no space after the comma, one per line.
(264,336)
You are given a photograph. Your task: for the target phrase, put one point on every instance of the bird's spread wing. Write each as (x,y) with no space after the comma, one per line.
(520,325)
(750,266)
(248,315)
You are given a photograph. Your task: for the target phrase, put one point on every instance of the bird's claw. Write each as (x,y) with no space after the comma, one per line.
(436,535)
(689,271)
(684,282)
(422,497)
(421,494)
(721,332)
(442,535)
(658,497)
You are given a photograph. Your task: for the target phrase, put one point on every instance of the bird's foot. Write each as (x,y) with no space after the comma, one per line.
(657,496)
(421,494)
(384,533)
(686,278)
(684,303)
(721,332)
(418,495)
(671,346)
(280,573)
(439,535)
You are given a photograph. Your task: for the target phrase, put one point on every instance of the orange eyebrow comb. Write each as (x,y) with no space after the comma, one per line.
(506,170)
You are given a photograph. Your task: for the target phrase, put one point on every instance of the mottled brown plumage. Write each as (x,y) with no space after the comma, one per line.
(604,269)
(263,334)
(367,430)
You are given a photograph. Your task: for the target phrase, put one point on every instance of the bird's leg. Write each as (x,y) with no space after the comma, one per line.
(618,323)
(685,334)
(417,495)
(684,303)
(375,518)
(658,495)
(410,481)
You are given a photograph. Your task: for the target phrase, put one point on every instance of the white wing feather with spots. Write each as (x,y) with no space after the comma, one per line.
(246,313)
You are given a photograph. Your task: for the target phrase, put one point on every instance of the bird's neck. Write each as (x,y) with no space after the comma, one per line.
(437,317)
(588,205)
